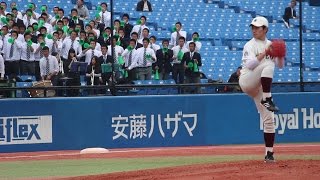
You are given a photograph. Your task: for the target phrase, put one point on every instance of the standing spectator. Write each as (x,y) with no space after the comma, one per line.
(28,18)
(13,6)
(49,67)
(82,9)
(2,69)
(153,44)
(105,59)
(134,36)
(105,15)
(127,26)
(177,34)
(27,66)
(144,5)
(143,61)
(105,37)
(164,59)
(195,39)
(178,68)
(67,44)
(145,34)
(117,50)
(90,52)
(129,55)
(140,26)
(16,17)
(289,13)
(191,61)
(12,55)
(74,19)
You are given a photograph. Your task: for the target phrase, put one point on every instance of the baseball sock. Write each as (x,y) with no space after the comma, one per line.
(266,87)
(269,141)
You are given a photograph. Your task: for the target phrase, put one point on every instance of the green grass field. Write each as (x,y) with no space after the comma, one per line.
(68,168)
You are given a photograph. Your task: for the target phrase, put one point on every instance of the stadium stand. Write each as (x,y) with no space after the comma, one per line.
(223,29)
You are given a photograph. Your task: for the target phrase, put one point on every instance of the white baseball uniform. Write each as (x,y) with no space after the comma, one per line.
(250,78)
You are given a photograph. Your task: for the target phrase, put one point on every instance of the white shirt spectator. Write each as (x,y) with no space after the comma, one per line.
(106,18)
(53,65)
(88,54)
(198,45)
(155,47)
(126,56)
(16,51)
(173,39)
(24,48)
(176,51)
(118,51)
(138,29)
(2,72)
(26,23)
(138,60)
(66,46)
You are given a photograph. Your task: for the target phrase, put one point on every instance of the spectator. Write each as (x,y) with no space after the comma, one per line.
(105,59)
(117,50)
(49,67)
(11,55)
(2,72)
(67,44)
(82,9)
(105,37)
(105,16)
(153,45)
(128,56)
(17,18)
(13,6)
(134,36)
(93,73)
(145,34)
(192,61)
(164,59)
(27,66)
(90,52)
(177,34)
(234,78)
(127,26)
(123,42)
(28,18)
(178,68)
(143,61)
(289,13)
(195,39)
(144,5)
(140,26)
(74,19)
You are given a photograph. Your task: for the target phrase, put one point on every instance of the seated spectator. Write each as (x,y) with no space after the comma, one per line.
(289,13)
(144,5)
(234,78)
(93,72)
(82,9)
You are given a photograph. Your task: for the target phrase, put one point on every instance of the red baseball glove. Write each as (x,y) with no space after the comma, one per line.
(277,49)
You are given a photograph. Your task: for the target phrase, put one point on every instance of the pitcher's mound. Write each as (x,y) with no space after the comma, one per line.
(94,151)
